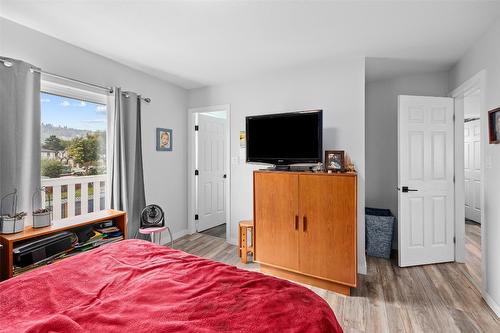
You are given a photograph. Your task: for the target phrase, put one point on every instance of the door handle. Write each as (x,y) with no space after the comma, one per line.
(304,223)
(405,189)
(225,176)
(296,222)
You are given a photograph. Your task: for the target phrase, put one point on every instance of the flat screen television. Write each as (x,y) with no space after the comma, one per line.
(285,138)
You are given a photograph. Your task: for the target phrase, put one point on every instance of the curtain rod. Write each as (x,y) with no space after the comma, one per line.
(110,90)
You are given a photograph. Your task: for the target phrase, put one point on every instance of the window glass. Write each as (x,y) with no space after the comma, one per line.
(73,151)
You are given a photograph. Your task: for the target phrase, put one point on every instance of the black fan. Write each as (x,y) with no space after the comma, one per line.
(152,217)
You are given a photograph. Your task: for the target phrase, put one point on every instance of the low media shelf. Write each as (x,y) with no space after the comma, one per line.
(10,241)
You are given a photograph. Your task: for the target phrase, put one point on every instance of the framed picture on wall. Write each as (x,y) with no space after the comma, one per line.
(164,139)
(334,160)
(494,124)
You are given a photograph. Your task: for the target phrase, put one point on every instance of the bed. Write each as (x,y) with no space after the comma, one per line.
(137,286)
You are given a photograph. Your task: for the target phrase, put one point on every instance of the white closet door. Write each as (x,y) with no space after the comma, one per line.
(472,164)
(212,171)
(425,171)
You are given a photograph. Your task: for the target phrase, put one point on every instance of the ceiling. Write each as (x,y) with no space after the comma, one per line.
(198,43)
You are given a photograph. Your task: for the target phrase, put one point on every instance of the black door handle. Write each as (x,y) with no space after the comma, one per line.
(405,189)
(225,176)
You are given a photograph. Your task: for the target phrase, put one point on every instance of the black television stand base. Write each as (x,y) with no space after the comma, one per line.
(281,168)
(292,168)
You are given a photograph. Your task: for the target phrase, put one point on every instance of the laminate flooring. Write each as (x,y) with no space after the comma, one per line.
(473,251)
(431,298)
(218,231)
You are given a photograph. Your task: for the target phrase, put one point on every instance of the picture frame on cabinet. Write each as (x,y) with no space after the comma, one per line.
(334,160)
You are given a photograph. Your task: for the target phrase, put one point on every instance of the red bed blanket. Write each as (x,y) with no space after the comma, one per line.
(137,286)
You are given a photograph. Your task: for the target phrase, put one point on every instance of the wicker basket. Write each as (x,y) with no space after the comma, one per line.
(379,232)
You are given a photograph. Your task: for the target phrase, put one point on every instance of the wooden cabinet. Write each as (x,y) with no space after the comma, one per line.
(276,197)
(305,227)
(328,239)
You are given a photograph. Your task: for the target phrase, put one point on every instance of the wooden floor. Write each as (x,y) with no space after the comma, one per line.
(218,231)
(433,298)
(473,251)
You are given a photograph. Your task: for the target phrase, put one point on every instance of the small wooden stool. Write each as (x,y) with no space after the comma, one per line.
(243,247)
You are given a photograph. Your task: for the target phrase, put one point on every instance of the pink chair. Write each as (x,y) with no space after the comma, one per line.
(155,234)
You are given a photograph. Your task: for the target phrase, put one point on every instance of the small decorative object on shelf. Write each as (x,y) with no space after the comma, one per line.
(317,168)
(494,124)
(334,160)
(13,222)
(41,217)
(350,168)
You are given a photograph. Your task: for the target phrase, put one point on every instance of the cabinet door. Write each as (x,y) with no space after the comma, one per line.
(276,219)
(328,227)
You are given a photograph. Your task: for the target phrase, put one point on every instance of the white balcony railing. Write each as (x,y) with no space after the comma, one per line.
(72,196)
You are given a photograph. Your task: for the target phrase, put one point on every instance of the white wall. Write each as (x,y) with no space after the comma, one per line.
(336,87)
(164,172)
(382,131)
(472,105)
(485,54)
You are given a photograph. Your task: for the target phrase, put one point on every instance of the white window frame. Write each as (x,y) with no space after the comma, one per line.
(74,91)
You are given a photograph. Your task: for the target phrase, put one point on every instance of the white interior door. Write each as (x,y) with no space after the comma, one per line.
(211,168)
(472,172)
(425,171)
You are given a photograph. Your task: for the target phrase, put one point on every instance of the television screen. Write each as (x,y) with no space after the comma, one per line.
(285,138)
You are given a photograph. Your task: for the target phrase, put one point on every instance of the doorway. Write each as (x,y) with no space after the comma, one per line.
(472,184)
(209,171)
(470,222)
(437,193)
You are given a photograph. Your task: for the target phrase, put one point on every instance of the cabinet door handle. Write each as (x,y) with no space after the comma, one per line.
(304,223)
(296,222)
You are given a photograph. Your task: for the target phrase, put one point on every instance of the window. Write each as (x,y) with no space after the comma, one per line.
(73,150)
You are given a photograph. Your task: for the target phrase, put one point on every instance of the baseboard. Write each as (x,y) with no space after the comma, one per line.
(492,304)
(176,235)
(233,241)
(180,234)
(362,269)
(310,280)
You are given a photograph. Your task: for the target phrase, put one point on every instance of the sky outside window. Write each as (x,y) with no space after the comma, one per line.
(72,113)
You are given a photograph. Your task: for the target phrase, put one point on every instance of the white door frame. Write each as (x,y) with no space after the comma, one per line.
(192,166)
(478,81)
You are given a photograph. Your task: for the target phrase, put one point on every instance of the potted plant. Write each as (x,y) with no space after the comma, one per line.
(13,222)
(41,216)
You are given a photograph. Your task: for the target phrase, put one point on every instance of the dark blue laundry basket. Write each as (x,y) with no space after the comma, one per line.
(379,232)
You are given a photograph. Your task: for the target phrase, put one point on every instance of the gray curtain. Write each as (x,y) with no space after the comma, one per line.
(19,132)
(127,179)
